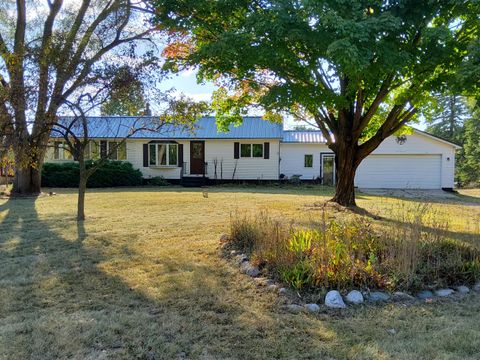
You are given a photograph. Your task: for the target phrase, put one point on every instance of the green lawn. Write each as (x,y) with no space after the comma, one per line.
(142,279)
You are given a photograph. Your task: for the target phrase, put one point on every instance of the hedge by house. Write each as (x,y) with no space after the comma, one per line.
(112,173)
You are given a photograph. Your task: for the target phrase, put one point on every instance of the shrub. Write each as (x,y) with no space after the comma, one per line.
(157,181)
(353,252)
(110,174)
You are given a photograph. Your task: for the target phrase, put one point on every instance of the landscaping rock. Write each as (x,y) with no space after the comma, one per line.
(294,308)
(240,259)
(223,238)
(378,296)
(249,269)
(312,308)
(333,299)
(462,289)
(476,287)
(282,291)
(272,287)
(425,294)
(444,292)
(391,331)
(354,297)
(401,296)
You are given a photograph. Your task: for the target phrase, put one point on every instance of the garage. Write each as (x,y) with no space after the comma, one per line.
(400,171)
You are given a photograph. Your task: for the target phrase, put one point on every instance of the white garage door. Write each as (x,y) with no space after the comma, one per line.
(400,172)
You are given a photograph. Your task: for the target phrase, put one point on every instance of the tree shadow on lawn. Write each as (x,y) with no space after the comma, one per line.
(454,198)
(57,300)
(471,237)
(60,298)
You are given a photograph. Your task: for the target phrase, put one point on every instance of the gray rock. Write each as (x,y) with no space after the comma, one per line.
(444,292)
(249,269)
(223,238)
(462,289)
(425,294)
(401,296)
(354,297)
(272,287)
(240,259)
(282,291)
(378,296)
(391,331)
(333,299)
(312,308)
(294,308)
(476,287)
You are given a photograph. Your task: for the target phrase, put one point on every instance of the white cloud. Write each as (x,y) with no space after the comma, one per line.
(201,96)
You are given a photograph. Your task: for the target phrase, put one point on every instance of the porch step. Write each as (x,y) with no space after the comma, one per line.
(194,181)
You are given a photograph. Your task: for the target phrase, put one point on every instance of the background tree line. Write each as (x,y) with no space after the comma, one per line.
(456,118)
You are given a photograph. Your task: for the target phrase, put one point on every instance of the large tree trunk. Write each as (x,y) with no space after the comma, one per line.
(82,188)
(27,181)
(28,169)
(28,174)
(346,167)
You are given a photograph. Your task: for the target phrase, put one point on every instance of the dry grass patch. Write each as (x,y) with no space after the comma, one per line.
(142,279)
(347,250)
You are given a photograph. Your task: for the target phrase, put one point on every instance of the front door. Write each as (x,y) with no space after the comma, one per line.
(328,169)
(197,157)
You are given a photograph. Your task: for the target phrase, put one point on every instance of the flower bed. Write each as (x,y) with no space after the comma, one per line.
(353,252)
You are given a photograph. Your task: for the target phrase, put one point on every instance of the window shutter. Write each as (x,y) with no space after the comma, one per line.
(266,150)
(180,155)
(236,150)
(145,155)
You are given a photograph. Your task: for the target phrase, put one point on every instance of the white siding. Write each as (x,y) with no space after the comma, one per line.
(222,151)
(427,162)
(420,144)
(246,168)
(400,172)
(292,156)
(135,156)
(421,162)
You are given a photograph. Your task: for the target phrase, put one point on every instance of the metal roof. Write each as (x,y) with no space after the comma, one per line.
(305,136)
(205,128)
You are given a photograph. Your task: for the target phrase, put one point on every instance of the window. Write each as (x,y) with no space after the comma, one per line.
(108,148)
(251,150)
(60,151)
(246,150)
(308,161)
(163,155)
(92,152)
(172,155)
(257,150)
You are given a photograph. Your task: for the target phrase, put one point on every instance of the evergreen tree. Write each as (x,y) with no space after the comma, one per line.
(447,116)
(469,167)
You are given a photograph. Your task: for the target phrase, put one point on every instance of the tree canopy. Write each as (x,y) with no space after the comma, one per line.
(49,52)
(126,96)
(360,69)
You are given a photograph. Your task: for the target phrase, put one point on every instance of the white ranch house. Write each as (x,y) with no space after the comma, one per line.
(261,150)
